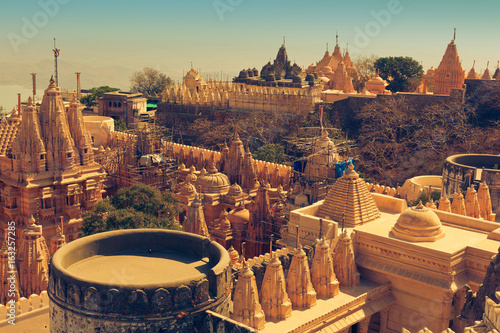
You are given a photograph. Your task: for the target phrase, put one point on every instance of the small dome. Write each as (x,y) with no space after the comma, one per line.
(418,224)
(243,74)
(191,178)
(188,189)
(235,190)
(250,72)
(309,77)
(234,255)
(431,71)
(296,79)
(214,182)
(255,72)
(225,224)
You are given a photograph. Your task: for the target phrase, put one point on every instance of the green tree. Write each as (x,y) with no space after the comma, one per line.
(366,70)
(149,82)
(138,206)
(403,74)
(90,100)
(120,125)
(272,153)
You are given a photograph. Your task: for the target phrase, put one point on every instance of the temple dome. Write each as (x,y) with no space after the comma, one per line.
(214,182)
(235,190)
(418,224)
(188,189)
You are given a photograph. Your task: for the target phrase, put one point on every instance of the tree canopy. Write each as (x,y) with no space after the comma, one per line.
(90,100)
(138,206)
(366,70)
(403,74)
(273,153)
(149,82)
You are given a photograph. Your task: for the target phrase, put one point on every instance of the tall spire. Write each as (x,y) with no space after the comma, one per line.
(246,305)
(273,296)
(345,263)
(454,33)
(458,204)
(56,55)
(33,260)
(298,281)
(323,277)
(195,218)
(444,204)
(472,203)
(483,196)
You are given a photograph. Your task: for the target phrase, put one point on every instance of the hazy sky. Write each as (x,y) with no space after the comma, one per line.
(227,35)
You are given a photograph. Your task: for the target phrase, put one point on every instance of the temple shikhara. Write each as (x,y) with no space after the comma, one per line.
(305,246)
(48,167)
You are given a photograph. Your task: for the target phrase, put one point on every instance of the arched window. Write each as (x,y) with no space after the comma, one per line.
(110,104)
(114,104)
(119,104)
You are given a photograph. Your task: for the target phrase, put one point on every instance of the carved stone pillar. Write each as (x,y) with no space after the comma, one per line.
(363,325)
(384,318)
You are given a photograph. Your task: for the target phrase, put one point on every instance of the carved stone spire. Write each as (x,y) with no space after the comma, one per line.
(80,135)
(486,74)
(322,274)
(472,203)
(246,306)
(485,209)
(344,262)
(444,204)
(458,204)
(298,281)
(449,73)
(55,130)
(29,145)
(273,296)
(33,259)
(195,218)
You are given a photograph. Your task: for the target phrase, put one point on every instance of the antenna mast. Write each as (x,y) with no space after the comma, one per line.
(56,54)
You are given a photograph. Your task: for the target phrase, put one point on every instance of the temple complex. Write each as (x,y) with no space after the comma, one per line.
(427,255)
(48,167)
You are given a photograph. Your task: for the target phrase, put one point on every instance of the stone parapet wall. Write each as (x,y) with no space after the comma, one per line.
(24,308)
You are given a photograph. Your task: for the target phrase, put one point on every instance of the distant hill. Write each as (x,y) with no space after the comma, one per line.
(92,76)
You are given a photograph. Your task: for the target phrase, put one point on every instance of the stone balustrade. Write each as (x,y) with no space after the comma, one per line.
(23,307)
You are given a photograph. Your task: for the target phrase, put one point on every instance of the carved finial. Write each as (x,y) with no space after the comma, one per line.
(52,79)
(271,244)
(420,205)
(31,220)
(297,244)
(337,37)
(343,221)
(454,33)
(243,249)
